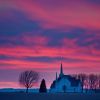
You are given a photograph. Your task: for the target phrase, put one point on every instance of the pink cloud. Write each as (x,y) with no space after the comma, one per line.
(83,60)
(37,40)
(52,14)
(59,14)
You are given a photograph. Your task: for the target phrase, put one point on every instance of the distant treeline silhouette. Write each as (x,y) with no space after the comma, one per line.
(28,78)
(89,82)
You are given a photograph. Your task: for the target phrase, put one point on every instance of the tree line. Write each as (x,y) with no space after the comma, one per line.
(27,79)
(89,82)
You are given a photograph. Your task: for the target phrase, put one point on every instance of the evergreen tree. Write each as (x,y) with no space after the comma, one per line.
(43,88)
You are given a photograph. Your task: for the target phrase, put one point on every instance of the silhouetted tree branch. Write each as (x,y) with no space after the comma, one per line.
(28,79)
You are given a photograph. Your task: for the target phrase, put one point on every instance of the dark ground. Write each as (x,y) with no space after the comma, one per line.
(49,96)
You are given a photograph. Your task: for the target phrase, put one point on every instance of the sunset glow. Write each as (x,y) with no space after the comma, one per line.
(40,34)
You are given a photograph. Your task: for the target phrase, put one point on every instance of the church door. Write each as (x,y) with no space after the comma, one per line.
(64,88)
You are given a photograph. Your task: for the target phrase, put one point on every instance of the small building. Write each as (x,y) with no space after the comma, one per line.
(65,83)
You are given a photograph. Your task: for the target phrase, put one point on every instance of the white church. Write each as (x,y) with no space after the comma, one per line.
(65,83)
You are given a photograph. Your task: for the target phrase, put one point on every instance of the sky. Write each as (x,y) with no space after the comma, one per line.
(40,34)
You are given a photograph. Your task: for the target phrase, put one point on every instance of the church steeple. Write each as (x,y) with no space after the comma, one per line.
(61,71)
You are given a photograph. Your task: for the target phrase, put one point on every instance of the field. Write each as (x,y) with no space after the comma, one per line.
(48,96)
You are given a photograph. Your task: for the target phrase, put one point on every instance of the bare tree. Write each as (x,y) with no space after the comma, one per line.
(98,81)
(92,81)
(86,83)
(28,78)
(82,78)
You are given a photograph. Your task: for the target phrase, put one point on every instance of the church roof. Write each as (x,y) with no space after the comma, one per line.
(73,80)
(53,84)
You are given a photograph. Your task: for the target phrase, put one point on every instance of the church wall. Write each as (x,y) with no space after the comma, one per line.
(64,82)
